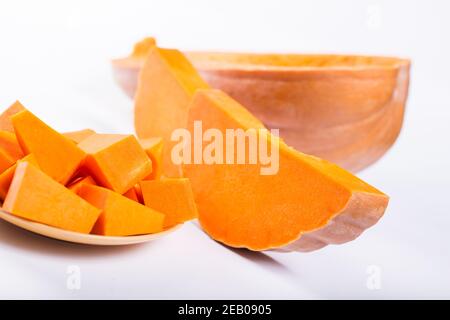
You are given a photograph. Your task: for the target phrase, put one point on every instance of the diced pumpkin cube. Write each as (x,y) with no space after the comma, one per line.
(173,197)
(7,175)
(57,156)
(35,196)
(120,216)
(154,149)
(116,161)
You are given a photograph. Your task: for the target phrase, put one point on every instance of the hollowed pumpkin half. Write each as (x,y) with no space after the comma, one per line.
(346,109)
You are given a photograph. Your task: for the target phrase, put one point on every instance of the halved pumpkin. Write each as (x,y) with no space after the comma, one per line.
(346,109)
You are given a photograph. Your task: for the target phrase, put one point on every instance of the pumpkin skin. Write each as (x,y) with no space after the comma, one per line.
(345,109)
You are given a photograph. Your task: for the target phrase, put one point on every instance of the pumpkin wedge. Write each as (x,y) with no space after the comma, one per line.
(167,84)
(308,204)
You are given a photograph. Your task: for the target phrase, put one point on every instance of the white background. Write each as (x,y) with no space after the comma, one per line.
(54,57)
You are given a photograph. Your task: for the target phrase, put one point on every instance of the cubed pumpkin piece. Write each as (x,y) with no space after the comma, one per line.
(116,161)
(154,149)
(9,144)
(76,185)
(35,196)
(173,197)
(80,135)
(57,156)
(7,175)
(120,216)
(5,121)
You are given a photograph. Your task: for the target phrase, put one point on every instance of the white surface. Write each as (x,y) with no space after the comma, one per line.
(54,57)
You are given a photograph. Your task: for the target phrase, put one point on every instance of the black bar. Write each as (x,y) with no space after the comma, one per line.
(229,309)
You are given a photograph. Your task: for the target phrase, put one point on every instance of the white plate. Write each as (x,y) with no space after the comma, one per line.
(77,237)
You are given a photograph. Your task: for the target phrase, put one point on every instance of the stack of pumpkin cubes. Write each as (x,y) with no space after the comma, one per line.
(83,181)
